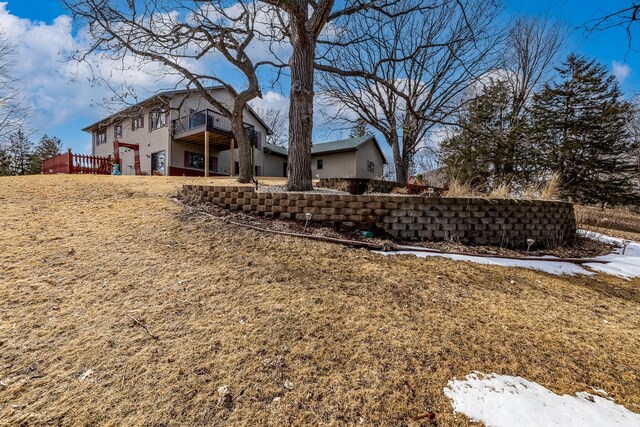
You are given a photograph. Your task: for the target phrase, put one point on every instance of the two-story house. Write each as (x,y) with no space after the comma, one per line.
(172,132)
(169,133)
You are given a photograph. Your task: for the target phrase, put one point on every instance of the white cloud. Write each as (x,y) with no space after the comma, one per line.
(620,70)
(58,89)
(272,99)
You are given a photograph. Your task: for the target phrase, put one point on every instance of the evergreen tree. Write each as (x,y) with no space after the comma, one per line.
(47,147)
(491,146)
(580,131)
(20,150)
(359,129)
(5,161)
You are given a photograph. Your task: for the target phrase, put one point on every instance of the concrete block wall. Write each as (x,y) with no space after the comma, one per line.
(375,185)
(503,222)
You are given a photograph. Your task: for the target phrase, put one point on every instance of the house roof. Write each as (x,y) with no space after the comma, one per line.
(351,144)
(276,149)
(168,94)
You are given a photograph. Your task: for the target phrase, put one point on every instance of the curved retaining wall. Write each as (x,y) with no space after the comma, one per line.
(503,222)
(375,185)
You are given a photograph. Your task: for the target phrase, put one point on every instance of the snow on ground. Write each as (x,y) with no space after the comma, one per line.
(617,264)
(551,267)
(503,400)
(627,265)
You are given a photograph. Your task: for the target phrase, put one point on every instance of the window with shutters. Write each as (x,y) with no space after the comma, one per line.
(101,137)
(137,123)
(158,119)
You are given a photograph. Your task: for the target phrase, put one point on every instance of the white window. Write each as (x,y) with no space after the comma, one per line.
(158,119)
(137,122)
(117,131)
(101,137)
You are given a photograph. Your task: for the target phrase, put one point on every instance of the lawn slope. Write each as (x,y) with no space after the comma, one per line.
(298,332)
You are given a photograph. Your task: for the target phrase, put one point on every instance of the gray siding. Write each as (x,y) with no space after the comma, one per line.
(368,152)
(159,139)
(274,165)
(149,141)
(334,165)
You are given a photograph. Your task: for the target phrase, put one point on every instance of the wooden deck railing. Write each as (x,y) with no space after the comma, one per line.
(77,164)
(208,120)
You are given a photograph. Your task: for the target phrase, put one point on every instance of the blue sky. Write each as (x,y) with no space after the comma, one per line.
(65,100)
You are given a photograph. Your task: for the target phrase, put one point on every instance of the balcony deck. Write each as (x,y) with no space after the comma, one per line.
(192,128)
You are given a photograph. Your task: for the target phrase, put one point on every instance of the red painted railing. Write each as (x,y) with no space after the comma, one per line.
(77,163)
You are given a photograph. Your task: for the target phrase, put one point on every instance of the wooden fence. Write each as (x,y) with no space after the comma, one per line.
(77,164)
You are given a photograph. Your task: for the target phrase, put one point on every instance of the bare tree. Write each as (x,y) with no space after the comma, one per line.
(303,23)
(491,141)
(626,17)
(156,31)
(633,129)
(407,75)
(529,55)
(276,120)
(12,111)
(178,34)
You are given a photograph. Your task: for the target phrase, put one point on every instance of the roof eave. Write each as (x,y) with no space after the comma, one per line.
(124,112)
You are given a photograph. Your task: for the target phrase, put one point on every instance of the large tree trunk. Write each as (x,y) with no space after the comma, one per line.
(301,109)
(398,161)
(244,146)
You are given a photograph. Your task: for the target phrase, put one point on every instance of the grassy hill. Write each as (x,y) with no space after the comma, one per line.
(117,309)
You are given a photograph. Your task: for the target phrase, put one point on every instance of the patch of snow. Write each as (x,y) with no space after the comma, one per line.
(503,400)
(85,375)
(625,265)
(600,391)
(551,267)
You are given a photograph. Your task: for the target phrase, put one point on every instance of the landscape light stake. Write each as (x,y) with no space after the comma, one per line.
(625,243)
(308,216)
(530,243)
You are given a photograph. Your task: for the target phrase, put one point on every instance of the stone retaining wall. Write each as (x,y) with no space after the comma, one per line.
(375,185)
(503,222)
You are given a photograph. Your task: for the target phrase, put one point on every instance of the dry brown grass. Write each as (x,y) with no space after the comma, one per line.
(541,190)
(618,222)
(502,191)
(458,188)
(551,189)
(362,338)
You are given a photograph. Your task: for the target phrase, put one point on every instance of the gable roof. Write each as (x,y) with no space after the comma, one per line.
(276,149)
(350,144)
(167,95)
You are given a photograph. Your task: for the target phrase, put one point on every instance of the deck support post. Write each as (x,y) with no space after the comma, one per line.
(206,153)
(232,162)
